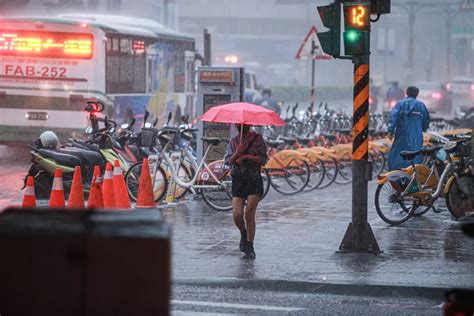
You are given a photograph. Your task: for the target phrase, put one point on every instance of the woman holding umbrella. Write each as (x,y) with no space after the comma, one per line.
(246,153)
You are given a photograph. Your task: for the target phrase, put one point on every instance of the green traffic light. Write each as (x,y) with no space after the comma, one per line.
(353,36)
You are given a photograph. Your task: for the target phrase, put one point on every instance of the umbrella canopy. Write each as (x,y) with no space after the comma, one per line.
(242,113)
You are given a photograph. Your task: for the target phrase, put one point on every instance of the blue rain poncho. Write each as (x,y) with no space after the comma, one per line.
(408,120)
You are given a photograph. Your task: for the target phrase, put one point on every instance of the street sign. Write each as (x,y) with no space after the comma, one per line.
(306,51)
(386,40)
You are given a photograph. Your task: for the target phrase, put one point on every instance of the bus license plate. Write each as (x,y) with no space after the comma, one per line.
(37,116)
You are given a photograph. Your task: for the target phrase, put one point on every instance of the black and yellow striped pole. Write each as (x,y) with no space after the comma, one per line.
(360,130)
(359,236)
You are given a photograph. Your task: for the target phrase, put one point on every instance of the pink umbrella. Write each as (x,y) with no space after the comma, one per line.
(242,113)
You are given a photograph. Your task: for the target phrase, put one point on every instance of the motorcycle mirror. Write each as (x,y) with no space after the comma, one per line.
(148,125)
(155,122)
(124,126)
(147,114)
(100,106)
(90,107)
(89,130)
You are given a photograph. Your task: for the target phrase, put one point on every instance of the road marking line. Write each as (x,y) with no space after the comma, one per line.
(238,306)
(192,313)
(424,229)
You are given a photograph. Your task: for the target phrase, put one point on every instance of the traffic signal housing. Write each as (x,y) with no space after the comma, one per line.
(331,18)
(357,29)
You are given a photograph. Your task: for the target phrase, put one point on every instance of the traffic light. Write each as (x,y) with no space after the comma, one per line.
(357,28)
(331,18)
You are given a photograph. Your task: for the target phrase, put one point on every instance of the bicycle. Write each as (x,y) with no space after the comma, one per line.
(214,188)
(408,189)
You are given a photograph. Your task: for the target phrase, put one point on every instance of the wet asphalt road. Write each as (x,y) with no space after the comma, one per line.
(296,241)
(192,300)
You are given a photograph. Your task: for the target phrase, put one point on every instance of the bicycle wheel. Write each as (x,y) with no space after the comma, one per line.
(390,206)
(159,180)
(291,180)
(344,171)
(219,198)
(331,172)
(184,174)
(266,183)
(318,173)
(458,204)
(378,163)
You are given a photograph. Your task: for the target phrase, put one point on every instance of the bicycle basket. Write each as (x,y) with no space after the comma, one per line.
(147,138)
(399,180)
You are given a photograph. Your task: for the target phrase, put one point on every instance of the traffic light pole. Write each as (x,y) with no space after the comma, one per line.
(359,236)
(313,74)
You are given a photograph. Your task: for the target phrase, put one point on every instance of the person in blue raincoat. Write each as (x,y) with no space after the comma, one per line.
(408,120)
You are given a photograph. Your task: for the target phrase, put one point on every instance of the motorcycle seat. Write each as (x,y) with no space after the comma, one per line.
(83,144)
(60,158)
(88,157)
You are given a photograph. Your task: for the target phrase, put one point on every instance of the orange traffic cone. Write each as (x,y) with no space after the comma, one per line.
(96,199)
(57,193)
(145,190)
(108,187)
(122,200)
(29,199)
(76,196)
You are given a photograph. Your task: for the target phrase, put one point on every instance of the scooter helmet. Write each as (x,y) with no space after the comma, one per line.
(399,180)
(48,139)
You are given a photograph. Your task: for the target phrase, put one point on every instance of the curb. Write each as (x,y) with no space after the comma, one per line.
(376,290)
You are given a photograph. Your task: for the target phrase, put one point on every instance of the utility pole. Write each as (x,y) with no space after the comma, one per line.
(207,48)
(411,8)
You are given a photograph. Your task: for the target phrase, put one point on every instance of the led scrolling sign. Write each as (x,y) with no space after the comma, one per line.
(46,44)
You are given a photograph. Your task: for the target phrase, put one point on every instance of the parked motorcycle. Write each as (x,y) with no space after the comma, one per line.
(47,154)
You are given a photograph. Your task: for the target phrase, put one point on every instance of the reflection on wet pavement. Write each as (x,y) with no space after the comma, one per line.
(297,238)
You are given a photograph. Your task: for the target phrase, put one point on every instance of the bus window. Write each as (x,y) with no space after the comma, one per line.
(180,65)
(247,80)
(126,68)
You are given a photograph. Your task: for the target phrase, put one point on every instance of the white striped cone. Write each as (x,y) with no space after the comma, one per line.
(57,193)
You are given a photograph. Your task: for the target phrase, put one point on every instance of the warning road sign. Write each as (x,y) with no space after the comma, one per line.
(306,50)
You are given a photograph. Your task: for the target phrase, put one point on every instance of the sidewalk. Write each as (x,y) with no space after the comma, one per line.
(296,242)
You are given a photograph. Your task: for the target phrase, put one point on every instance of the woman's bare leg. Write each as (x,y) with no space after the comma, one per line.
(252,203)
(238,205)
